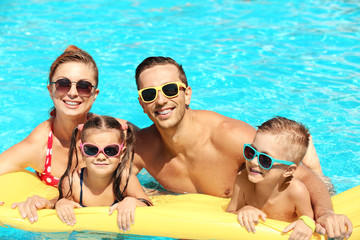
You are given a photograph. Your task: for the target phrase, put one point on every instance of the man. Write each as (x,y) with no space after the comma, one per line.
(197,151)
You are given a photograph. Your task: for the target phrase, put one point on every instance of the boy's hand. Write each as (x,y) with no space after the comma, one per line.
(336,226)
(65,210)
(126,212)
(28,209)
(248,216)
(300,230)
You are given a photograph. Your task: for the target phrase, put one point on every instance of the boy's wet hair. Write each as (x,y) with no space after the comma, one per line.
(155,61)
(295,136)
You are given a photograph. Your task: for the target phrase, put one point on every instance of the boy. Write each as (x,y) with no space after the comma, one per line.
(266,187)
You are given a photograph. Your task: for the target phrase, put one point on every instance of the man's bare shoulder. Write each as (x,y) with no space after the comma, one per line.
(226,131)
(148,140)
(222,124)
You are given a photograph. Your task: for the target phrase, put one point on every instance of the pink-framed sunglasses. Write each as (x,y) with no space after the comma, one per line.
(92,150)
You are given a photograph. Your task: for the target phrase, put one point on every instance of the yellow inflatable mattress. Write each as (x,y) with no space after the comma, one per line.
(190,216)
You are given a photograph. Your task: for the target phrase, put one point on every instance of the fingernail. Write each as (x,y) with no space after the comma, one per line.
(35,219)
(31,220)
(23,215)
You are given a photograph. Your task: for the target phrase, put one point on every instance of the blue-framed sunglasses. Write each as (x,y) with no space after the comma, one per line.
(264,160)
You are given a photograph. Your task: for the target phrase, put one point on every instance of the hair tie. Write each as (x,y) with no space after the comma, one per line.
(80,127)
(124,126)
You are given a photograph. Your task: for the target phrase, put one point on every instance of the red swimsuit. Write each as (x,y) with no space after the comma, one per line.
(46,176)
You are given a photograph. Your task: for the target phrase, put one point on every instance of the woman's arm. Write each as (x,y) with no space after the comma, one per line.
(30,152)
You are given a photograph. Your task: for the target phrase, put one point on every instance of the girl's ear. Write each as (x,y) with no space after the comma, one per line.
(289,171)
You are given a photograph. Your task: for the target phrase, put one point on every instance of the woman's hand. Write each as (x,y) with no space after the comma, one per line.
(126,212)
(65,210)
(248,216)
(28,209)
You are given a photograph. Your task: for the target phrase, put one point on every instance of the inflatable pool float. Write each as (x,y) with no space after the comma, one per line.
(188,216)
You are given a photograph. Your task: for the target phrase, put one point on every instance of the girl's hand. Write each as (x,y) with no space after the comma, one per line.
(248,216)
(300,230)
(28,209)
(126,212)
(65,210)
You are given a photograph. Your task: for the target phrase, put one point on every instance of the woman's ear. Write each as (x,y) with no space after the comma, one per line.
(50,90)
(289,171)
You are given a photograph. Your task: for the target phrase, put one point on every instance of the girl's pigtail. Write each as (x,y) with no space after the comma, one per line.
(69,169)
(126,163)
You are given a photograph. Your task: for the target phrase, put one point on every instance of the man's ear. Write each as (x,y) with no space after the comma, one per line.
(141,104)
(289,171)
(188,93)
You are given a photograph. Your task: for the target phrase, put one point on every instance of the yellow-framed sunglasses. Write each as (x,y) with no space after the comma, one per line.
(170,90)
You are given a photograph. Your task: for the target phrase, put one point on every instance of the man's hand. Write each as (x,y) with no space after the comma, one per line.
(337,226)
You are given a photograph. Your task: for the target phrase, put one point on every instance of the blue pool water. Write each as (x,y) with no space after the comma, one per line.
(248,60)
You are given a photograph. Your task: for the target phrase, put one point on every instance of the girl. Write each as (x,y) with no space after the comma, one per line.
(108,158)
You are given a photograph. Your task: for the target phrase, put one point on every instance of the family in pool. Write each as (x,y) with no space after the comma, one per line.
(185,150)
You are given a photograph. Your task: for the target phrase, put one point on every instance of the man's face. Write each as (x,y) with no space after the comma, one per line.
(163,111)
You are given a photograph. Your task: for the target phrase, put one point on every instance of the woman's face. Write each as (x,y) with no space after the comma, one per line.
(73,103)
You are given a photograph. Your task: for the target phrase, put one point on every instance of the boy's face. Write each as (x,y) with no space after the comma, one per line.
(269,144)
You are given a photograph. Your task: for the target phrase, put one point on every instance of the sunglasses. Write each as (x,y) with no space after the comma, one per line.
(91,150)
(170,90)
(264,160)
(64,85)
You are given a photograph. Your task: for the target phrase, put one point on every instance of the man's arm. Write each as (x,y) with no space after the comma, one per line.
(334,225)
(311,159)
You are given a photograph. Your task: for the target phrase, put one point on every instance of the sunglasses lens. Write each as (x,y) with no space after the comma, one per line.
(148,94)
(84,87)
(170,89)
(249,153)
(90,150)
(265,161)
(112,151)
(63,85)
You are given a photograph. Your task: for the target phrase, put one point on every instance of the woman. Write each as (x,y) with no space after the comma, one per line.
(73,81)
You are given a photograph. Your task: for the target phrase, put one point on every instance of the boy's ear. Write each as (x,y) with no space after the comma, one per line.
(289,171)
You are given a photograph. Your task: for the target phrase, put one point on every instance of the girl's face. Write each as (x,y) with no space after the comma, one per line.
(70,102)
(101,164)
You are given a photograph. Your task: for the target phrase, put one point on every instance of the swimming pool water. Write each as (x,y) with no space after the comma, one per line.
(248,60)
